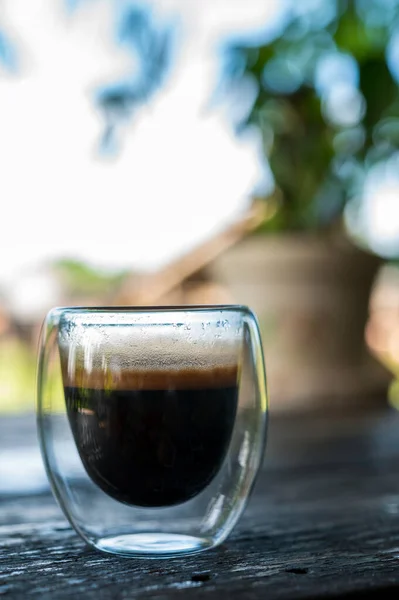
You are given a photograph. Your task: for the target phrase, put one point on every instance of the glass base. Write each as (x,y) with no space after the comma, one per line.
(152,545)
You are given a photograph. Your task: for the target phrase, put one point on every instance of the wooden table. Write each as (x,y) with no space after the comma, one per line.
(323,522)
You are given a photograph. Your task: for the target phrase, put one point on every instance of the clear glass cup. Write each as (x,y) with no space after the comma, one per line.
(152,423)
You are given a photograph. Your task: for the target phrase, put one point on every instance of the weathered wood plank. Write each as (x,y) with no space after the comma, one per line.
(323,522)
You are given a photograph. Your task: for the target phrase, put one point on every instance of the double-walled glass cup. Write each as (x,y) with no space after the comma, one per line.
(152,423)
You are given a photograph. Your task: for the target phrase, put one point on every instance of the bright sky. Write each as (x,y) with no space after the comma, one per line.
(182,173)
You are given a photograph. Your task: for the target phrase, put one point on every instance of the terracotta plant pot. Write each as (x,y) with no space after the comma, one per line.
(311,295)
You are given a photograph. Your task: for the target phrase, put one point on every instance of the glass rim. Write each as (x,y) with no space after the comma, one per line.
(154,308)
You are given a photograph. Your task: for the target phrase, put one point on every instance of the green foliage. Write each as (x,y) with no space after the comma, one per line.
(327,105)
(81,278)
(17,376)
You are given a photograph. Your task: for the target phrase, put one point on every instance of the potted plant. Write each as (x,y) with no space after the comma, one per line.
(325,94)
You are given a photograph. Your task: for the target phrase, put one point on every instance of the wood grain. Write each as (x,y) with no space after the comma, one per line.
(323,522)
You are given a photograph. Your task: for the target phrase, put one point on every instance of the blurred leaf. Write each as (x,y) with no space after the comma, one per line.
(150,48)
(81,278)
(8,54)
(354,37)
(378,88)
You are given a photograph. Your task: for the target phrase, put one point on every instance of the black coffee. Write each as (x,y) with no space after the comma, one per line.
(156,440)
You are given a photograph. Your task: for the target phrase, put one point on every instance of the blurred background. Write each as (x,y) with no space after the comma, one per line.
(185,152)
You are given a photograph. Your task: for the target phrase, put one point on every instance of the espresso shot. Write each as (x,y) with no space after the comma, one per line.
(153,438)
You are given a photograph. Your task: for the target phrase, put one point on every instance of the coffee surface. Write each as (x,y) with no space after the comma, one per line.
(154,439)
